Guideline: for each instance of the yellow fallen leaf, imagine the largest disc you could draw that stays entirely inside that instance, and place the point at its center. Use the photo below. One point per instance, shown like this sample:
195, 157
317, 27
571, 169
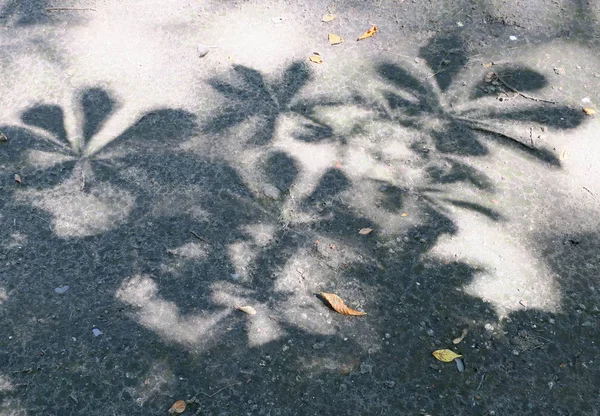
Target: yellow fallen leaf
316, 59
327, 17
18, 178
487, 65
338, 305
369, 33
404, 214
589, 111
178, 407
365, 231
247, 309
335, 39
458, 340
445, 355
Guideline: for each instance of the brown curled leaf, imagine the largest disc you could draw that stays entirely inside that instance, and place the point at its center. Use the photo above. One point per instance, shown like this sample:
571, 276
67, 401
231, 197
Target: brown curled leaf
178, 407
458, 340
337, 304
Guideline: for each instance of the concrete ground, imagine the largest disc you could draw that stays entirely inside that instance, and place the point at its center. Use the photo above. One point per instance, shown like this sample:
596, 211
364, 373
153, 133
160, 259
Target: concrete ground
165, 162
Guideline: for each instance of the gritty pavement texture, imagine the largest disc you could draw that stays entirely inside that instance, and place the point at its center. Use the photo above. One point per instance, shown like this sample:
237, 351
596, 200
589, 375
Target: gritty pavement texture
163, 163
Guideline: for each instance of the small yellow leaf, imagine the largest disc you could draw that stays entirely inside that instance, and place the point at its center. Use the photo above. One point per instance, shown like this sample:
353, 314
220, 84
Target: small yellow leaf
178, 407
589, 111
446, 355
404, 214
365, 231
369, 33
338, 305
327, 17
335, 39
18, 178
247, 309
458, 340
316, 59
487, 65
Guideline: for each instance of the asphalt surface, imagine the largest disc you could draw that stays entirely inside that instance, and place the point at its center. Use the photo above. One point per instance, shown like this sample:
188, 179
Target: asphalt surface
163, 164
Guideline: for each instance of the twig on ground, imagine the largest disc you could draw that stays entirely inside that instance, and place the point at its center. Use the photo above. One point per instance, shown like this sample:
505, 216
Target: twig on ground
478, 125
482, 380
198, 236
522, 94
221, 389
590, 192
68, 9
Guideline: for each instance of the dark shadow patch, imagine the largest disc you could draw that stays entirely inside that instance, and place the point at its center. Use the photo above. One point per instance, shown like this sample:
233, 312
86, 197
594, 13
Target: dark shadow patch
97, 106
49, 118
282, 170
452, 171
393, 198
446, 56
249, 96
458, 139
471, 206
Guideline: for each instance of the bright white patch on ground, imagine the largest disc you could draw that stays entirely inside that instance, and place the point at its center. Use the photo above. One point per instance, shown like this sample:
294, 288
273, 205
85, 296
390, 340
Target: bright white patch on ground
164, 317
511, 278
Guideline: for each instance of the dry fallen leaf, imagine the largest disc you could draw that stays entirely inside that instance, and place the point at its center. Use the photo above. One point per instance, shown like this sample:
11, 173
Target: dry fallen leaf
446, 356
563, 155
247, 309
589, 111
18, 178
327, 17
404, 214
462, 336
369, 33
3, 138
316, 59
335, 39
178, 407
365, 231
487, 64
338, 305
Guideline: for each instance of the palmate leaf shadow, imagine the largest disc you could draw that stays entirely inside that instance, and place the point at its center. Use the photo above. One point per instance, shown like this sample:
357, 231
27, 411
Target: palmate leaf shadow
249, 96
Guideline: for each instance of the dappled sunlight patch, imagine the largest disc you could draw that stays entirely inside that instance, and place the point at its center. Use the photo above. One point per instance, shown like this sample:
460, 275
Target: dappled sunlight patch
45, 160
241, 255
261, 329
164, 317
186, 201
6, 384
80, 213
16, 240
3, 295
262, 234
158, 380
511, 278
192, 251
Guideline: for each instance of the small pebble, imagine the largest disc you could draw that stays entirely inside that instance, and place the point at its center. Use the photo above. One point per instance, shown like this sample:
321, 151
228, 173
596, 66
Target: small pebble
460, 365
366, 368
62, 289
318, 346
